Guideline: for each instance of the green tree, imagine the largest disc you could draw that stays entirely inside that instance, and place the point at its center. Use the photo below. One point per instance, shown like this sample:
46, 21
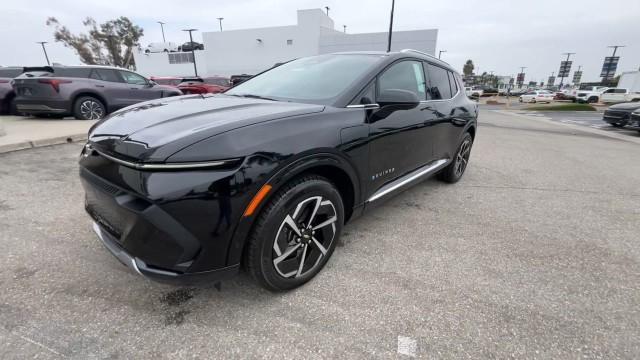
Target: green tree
467, 70
110, 43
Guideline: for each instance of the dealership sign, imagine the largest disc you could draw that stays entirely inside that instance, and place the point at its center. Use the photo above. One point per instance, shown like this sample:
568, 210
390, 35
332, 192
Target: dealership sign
565, 68
520, 79
609, 67
551, 80
577, 76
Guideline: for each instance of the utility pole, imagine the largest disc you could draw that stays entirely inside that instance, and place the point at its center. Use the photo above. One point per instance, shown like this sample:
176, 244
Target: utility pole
393, 5
345, 28
326, 7
44, 50
162, 28
562, 77
615, 48
220, 20
440, 53
193, 54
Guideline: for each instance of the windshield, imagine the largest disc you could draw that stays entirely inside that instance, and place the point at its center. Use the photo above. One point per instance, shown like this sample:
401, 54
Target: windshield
315, 79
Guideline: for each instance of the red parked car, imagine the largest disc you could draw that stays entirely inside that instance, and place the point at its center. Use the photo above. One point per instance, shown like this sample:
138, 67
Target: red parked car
198, 85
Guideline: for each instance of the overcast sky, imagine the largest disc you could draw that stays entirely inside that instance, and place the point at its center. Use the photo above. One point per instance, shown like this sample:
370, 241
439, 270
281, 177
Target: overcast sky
498, 35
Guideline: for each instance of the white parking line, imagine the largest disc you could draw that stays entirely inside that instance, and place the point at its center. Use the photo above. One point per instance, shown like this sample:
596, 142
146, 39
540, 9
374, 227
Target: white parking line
407, 346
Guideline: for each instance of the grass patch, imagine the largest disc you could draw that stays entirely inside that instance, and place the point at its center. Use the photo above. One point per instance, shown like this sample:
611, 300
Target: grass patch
561, 107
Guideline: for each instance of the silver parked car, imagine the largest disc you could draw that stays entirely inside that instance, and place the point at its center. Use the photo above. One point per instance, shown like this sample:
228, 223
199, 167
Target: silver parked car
86, 92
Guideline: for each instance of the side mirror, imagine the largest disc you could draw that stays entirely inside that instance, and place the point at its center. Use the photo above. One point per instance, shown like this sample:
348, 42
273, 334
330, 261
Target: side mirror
398, 99
392, 100
152, 83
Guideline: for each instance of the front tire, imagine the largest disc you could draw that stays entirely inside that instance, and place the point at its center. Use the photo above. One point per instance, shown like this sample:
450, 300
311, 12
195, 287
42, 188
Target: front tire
454, 171
88, 108
295, 234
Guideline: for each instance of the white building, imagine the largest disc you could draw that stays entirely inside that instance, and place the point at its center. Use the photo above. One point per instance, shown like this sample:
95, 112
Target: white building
250, 51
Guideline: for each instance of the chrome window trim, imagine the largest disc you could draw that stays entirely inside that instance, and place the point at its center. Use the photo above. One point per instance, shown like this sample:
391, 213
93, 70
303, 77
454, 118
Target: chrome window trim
363, 106
166, 166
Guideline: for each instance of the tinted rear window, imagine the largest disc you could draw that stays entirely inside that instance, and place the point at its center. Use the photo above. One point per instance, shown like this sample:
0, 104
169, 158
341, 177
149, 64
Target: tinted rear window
72, 72
107, 75
439, 83
10, 73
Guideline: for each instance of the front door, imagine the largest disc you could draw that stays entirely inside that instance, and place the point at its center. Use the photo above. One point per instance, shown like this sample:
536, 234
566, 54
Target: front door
139, 88
402, 141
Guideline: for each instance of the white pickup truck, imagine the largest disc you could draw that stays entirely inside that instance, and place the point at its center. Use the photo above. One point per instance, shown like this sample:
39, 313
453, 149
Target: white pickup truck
589, 94
619, 95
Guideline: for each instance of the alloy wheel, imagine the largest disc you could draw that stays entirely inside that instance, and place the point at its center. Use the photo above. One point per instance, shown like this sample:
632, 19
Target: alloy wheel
304, 237
462, 158
91, 110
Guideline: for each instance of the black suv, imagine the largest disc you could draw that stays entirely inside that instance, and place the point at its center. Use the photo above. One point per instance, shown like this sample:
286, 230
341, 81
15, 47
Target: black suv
86, 92
265, 175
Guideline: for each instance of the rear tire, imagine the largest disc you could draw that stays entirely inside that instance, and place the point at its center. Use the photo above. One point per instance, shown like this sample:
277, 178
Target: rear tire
89, 108
592, 100
280, 257
454, 171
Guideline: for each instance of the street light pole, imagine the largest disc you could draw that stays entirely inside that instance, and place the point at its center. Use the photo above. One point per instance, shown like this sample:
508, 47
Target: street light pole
440, 53
562, 77
162, 28
326, 7
44, 50
193, 54
345, 28
393, 5
220, 20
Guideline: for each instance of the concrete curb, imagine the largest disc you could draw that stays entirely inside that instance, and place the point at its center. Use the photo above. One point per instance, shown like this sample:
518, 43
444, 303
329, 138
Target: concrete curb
30, 144
572, 126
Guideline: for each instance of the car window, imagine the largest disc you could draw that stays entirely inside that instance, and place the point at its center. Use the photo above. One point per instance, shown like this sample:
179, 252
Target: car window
316, 79
106, 75
366, 96
133, 78
620, 91
439, 88
80, 72
10, 73
217, 81
405, 75
453, 83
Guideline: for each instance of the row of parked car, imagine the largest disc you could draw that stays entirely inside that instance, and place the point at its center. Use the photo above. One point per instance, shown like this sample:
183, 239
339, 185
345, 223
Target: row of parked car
92, 92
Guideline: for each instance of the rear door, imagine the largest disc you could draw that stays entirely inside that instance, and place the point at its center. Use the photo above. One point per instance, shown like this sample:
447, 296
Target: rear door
442, 89
139, 87
400, 142
110, 84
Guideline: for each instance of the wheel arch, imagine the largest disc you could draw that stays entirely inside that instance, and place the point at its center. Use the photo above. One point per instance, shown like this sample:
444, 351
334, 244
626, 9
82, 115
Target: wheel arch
327, 165
94, 94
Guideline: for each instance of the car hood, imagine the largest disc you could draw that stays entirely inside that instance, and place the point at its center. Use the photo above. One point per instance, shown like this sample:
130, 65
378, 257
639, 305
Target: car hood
154, 130
630, 106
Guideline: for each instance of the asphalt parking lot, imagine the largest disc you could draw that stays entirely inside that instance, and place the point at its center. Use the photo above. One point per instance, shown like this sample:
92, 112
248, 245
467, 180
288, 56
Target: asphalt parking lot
533, 254
582, 118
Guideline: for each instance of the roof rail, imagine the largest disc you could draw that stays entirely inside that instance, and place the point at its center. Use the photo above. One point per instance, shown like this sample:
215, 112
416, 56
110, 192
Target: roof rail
419, 52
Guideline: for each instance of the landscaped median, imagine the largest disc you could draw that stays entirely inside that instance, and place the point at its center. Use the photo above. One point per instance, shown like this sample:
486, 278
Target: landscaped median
561, 107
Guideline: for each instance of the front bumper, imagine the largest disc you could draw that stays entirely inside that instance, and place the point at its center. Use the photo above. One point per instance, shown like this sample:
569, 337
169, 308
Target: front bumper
619, 118
140, 267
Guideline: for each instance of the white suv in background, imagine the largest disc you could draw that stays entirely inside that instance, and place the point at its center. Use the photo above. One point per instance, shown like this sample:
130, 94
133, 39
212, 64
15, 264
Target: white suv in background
156, 47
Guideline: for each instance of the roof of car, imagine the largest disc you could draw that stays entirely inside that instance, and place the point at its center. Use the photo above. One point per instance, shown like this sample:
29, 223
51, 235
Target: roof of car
400, 53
